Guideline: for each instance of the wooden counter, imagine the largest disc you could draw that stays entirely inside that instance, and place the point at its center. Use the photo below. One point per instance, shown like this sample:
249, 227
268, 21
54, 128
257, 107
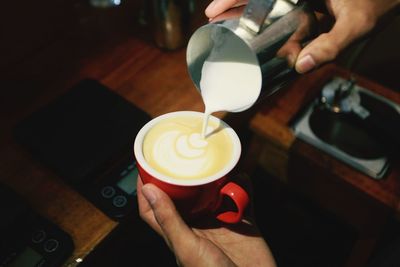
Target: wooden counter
354, 197
156, 81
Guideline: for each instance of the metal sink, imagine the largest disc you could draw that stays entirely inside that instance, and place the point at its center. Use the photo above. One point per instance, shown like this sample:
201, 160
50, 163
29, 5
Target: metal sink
344, 136
341, 131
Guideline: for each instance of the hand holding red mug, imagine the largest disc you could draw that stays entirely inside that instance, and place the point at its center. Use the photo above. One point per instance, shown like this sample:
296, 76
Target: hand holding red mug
169, 145
193, 171
205, 245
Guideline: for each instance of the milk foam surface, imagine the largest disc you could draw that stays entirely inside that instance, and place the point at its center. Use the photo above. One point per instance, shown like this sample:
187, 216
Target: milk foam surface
176, 148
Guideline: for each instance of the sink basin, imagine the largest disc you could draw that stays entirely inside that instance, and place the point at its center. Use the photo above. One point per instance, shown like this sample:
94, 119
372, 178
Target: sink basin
343, 132
344, 135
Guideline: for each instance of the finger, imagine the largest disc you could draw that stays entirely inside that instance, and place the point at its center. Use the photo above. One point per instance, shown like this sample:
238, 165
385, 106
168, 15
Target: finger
217, 7
290, 50
328, 45
145, 211
174, 229
231, 13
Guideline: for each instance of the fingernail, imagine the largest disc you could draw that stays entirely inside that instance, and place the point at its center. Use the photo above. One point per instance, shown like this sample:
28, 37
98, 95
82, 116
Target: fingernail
149, 195
305, 64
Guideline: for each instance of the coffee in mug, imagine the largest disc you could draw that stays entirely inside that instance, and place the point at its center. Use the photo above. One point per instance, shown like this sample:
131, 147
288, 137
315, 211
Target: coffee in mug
175, 147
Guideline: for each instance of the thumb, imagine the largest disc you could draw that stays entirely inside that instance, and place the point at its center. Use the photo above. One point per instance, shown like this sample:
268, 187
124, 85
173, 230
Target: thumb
323, 49
328, 45
176, 233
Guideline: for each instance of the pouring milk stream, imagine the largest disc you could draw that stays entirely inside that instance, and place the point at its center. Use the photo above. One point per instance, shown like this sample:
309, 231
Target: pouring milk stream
229, 81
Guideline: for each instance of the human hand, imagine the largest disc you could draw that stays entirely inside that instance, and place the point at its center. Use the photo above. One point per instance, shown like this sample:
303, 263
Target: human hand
353, 19
208, 244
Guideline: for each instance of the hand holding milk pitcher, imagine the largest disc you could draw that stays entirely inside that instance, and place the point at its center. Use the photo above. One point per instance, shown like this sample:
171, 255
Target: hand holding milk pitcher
349, 20
234, 61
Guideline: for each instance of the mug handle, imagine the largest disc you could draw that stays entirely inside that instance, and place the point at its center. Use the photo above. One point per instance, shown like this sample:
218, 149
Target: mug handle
241, 199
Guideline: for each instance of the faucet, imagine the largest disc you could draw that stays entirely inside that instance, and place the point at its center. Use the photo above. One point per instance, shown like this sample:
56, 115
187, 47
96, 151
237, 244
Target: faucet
338, 99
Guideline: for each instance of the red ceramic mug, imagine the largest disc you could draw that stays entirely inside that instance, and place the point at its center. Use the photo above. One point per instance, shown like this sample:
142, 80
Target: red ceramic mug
201, 196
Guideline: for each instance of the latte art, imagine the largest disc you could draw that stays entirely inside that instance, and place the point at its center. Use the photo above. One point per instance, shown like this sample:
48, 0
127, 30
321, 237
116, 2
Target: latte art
191, 146
179, 153
175, 147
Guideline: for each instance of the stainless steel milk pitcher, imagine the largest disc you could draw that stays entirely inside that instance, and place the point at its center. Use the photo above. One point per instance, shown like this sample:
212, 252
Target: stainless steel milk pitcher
264, 35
